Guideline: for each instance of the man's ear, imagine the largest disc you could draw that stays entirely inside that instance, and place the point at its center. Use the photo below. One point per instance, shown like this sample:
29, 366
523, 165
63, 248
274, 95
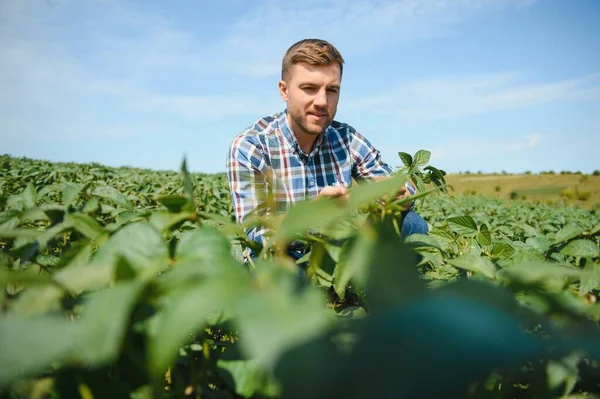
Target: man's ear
283, 90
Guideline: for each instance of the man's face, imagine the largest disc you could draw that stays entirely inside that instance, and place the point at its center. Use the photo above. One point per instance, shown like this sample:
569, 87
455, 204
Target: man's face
312, 93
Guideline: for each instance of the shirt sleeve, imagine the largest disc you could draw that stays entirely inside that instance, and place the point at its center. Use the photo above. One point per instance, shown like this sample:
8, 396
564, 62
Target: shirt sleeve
246, 174
367, 159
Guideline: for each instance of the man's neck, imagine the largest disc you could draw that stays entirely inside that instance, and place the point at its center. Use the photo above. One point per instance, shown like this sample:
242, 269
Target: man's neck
305, 140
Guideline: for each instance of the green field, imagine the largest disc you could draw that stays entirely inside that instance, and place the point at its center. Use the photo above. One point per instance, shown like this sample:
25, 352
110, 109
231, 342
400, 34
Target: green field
129, 283
575, 190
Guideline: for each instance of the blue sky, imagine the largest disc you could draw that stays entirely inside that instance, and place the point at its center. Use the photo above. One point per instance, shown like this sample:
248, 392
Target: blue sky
486, 85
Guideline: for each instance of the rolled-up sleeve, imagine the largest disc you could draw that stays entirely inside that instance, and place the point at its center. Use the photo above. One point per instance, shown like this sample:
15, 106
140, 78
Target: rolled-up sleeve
367, 159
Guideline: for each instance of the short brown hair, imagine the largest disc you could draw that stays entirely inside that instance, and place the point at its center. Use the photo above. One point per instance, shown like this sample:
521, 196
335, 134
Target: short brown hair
313, 52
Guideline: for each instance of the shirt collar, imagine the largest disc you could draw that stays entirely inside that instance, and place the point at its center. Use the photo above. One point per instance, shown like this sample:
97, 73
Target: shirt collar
286, 130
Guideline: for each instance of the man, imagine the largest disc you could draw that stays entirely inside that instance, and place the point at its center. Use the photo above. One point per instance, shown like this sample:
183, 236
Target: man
302, 152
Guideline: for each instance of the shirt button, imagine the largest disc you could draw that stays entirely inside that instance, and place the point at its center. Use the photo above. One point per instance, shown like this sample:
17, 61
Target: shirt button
311, 183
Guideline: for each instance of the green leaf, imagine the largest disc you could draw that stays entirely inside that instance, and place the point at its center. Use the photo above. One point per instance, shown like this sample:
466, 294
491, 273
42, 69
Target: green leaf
484, 237
444, 234
528, 230
536, 272
175, 203
406, 159
29, 196
70, 191
37, 213
12, 234
279, 317
123, 270
307, 215
423, 241
437, 178
186, 311
353, 265
475, 264
32, 345
247, 378
541, 243
568, 232
591, 281
188, 185
45, 236
419, 183
422, 157
113, 195
392, 277
78, 275
163, 221
139, 243
46, 190
525, 255
104, 322
29, 277
582, 248
321, 265
502, 250
86, 225
47, 260
353, 312
92, 205
367, 192
203, 243
204, 253
564, 373
463, 224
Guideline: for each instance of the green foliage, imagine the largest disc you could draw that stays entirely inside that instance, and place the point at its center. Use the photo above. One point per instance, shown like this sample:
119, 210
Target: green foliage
121, 282
583, 195
420, 174
575, 194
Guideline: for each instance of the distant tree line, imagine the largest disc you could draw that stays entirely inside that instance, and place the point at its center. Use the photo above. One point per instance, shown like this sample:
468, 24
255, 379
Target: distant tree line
528, 172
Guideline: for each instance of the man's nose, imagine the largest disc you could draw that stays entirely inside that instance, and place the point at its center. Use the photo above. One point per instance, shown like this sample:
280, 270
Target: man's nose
321, 99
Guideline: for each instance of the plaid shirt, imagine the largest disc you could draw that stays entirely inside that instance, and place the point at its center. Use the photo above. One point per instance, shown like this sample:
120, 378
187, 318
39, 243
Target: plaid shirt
267, 156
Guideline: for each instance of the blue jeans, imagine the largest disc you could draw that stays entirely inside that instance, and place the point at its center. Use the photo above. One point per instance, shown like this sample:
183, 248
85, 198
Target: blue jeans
413, 223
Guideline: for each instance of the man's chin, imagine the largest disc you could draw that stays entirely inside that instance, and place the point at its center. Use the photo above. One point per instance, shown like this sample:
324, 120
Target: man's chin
316, 130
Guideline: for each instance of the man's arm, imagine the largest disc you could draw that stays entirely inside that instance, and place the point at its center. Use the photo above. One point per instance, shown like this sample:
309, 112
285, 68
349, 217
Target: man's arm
246, 174
368, 164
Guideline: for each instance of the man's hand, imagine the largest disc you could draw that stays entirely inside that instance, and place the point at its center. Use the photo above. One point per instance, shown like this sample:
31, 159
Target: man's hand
340, 192
402, 193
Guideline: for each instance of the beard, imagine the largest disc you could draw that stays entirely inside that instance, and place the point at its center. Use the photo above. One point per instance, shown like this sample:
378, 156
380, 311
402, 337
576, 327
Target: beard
312, 129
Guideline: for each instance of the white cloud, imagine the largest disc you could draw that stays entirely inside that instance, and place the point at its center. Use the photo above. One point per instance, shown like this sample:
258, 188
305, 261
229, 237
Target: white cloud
533, 140
483, 148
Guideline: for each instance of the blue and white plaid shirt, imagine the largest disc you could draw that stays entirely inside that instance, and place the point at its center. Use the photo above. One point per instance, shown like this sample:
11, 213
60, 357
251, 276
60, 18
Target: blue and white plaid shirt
267, 156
